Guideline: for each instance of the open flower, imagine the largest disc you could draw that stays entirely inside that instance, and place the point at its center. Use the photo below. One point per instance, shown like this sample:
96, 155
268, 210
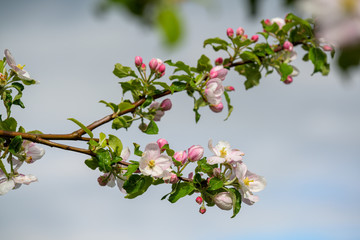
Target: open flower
224, 153
15, 182
22, 74
152, 163
249, 183
33, 151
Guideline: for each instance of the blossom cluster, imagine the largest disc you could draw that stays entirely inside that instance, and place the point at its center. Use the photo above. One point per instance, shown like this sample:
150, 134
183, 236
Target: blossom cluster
30, 152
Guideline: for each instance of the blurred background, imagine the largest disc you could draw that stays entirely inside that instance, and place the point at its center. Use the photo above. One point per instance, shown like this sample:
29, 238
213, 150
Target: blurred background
303, 137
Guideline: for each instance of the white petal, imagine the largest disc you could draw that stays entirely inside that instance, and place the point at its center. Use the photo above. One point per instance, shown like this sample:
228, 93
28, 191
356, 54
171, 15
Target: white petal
258, 184
240, 171
6, 185
215, 160
164, 162
125, 153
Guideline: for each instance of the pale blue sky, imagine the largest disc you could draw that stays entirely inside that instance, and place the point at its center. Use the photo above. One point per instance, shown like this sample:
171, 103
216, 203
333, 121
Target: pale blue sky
304, 137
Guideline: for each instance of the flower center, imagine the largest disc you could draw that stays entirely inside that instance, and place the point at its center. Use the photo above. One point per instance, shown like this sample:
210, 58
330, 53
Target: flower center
151, 163
223, 152
20, 66
247, 181
349, 5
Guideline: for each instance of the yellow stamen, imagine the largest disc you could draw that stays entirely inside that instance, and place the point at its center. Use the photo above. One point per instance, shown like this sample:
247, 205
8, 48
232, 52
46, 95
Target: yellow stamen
247, 181
20, 66
223, 152
151, 163
349, 5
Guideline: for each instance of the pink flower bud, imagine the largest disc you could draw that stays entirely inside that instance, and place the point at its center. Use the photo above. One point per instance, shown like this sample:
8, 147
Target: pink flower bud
255, 38
153, 64
181, 156
288, 46
219, 61
138, 61
229, 88
195, 153
218, 72
143, 67
173, 178
244, 37
213, 74
191, 175
217, 108
223, 200
161, 142
230, 32
202, 210
327, 48
161, 68
267, 22
288, 80
199, 200
102, 180
166, 104
240, 31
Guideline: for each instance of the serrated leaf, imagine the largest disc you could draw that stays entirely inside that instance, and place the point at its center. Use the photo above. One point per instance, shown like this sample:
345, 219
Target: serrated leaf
9, 124
137, 185
285, 70
82, 126
204, 64
104, 159
111, 105
152, 128
92, 163
122, 122
180, 66
123, 106
236, 196
217, 43
249, 56
15, 144
131, 169
178, 86
319, 59
137, 152
122, 71
215, 183
115, 144
162, 84
230, 107
182, 189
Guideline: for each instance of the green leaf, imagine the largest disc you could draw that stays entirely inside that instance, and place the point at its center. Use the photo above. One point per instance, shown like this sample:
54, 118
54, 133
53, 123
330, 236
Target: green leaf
92, 163
104, 158
203, 166
15, 144
285, 70
180, 66
122, 71
102, 140
123, 106
249, 56
162, 84
137, 185
137, 152
319, 59
147, 102
230, 107
178, 86
305, 24
236, 196
152, 128
204, 64
111, 105
122, 122
170, 24
115, 144
9, 124
131, 169
217, 43
215, 183
134, 86
82, 126
349, 57
183, 78
252, 74
182, 189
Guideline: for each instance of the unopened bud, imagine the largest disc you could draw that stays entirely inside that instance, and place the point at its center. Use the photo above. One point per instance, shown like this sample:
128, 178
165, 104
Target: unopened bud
229, 88
138, 61
143, 67
267, 22
102, 180
199, 200
219, 61
181, 156
195, 153
217, 172
255, 38
153, 64
173, 178
223, 200
217, 108
288, 46
166, 104
161, 68
202, 210
327, 48
244, 37
161, 142
143, 127
230, 32
288, 80
240, 31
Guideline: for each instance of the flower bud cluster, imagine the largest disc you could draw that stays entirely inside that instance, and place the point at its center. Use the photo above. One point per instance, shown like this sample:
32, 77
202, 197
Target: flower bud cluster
156, 66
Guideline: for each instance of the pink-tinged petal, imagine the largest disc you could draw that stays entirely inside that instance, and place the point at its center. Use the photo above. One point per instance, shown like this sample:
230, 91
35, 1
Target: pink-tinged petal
156, 171
152, 151
210, 146
164, 162
125, 153
146, 170
257, 183
6, 185
120, 184
249, 198
215, 160
240, 171
224, 201
24, 179
143, 162
235, 155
